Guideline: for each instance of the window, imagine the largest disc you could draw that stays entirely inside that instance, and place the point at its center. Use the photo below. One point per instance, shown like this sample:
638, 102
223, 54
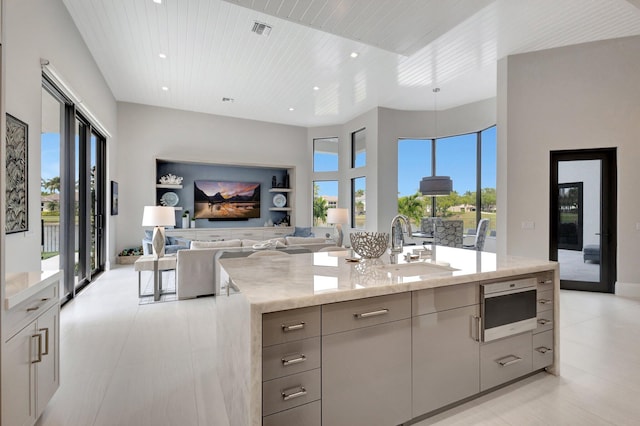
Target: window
359, 202
358, 149
470, 161
456, 157
325, 155
325, 196
488, 176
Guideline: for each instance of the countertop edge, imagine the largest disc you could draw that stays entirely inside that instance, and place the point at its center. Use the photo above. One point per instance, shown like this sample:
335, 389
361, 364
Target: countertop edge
434, 282
24, 295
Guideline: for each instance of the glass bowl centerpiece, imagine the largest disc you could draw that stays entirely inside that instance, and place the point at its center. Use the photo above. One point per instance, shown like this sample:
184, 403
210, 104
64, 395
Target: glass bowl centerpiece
369, 245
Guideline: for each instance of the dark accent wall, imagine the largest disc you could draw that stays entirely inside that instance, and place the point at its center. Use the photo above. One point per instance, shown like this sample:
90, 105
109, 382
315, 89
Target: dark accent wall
192, 171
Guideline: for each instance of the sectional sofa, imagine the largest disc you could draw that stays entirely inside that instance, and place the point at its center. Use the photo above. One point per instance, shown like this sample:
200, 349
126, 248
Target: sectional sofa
195, 267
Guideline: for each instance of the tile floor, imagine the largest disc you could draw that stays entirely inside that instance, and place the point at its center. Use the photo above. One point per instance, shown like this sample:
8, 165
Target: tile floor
128, 364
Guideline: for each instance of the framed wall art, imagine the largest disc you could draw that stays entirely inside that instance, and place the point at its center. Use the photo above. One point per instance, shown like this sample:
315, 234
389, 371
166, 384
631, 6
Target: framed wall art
17, 178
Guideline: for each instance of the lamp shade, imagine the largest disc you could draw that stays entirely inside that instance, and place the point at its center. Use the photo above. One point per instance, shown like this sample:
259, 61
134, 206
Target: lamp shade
158, 216
337, 215
436, 185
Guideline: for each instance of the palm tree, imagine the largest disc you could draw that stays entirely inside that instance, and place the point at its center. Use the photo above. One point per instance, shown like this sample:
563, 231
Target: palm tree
412, 206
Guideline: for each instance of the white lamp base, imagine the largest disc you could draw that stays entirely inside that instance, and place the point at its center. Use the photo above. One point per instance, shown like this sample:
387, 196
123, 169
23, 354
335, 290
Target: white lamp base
340, 235
157, 241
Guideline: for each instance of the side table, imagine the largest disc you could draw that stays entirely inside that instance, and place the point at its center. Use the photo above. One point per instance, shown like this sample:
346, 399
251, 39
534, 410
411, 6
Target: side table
157, 265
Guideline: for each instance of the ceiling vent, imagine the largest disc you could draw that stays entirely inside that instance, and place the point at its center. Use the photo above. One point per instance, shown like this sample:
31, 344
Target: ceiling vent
261, 28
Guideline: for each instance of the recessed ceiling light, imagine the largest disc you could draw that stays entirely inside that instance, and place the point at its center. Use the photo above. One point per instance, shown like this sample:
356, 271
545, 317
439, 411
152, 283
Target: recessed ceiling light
165, 88
162, 55
354, 54
157, 1
316, 88
290, 109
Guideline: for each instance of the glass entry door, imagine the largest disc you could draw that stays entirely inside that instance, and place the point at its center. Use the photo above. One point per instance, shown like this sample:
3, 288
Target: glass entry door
583, 225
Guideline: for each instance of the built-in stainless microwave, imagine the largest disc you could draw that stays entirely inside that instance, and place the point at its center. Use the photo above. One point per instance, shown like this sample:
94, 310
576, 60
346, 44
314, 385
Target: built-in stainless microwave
508, 307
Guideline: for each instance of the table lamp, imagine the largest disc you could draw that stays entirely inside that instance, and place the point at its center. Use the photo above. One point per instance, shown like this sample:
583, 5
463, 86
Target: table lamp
158, 217
338, 216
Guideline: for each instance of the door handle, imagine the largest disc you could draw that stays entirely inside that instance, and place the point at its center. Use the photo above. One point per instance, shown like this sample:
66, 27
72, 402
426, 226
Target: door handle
46, 340
39, 338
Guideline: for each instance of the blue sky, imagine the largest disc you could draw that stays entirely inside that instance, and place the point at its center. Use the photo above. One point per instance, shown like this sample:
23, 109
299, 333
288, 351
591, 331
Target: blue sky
455, 157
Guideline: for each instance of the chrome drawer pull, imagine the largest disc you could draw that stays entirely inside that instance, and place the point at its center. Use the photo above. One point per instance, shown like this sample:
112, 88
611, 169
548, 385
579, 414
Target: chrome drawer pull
35, 308
508, 360
293, 359
543, 321
293, 327
39, 337
372, 313
543, 349
544, 301
292, 393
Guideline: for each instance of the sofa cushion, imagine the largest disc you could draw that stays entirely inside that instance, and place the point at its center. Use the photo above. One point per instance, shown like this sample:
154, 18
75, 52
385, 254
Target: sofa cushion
195, 245
302, 232
301, 240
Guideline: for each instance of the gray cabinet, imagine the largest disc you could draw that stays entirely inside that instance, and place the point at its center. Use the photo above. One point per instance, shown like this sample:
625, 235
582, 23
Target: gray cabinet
291, 387
366, 370
505, 359
446, 358
542, 343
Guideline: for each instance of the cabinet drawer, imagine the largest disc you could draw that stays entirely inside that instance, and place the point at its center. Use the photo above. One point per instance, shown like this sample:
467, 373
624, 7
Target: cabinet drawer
290, 358
290, 391
505, 360
545, 321
545, 300
542, 350
27, 311
545, 281
443, 298
291, 325
343, 316
307, 415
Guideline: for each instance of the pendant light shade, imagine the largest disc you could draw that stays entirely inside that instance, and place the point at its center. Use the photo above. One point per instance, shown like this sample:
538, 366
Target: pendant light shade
436, 185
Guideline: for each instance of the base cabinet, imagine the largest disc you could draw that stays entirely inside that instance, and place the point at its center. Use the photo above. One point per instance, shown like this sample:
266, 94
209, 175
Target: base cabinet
31, 369
446, 358
366, 375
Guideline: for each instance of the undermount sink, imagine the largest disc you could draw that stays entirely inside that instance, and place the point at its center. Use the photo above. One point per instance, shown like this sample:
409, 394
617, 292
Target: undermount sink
416, 268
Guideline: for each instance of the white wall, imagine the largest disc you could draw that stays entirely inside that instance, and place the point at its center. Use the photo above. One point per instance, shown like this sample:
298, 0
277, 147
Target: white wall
587, 172
37, 29
584, 96
147, 133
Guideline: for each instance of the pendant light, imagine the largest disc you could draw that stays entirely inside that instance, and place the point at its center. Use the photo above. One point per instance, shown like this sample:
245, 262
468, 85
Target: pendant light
433, 185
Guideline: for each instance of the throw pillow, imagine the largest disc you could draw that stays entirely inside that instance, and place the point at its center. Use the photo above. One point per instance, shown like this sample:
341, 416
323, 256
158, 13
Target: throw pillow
302, 232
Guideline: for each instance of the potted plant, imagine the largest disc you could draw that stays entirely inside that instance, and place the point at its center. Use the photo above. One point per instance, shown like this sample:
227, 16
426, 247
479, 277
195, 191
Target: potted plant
193, 222
129, 255
185, 219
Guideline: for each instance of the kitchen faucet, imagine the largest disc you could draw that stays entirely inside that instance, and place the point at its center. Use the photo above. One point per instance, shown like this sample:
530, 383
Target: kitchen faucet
397, 230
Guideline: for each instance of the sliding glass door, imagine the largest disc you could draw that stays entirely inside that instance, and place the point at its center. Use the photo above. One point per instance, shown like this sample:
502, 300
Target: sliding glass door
73, 192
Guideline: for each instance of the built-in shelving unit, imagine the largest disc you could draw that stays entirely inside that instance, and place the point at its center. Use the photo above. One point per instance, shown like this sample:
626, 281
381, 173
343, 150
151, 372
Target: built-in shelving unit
286, 192
279, 213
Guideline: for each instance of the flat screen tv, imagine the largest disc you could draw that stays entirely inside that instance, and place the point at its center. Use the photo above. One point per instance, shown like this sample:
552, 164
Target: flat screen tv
220, 200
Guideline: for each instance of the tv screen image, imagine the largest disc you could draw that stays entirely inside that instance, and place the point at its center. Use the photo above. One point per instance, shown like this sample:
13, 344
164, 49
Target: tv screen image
220, 200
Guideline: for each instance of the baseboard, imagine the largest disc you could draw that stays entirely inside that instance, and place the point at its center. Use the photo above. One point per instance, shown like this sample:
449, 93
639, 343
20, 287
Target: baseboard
628, 289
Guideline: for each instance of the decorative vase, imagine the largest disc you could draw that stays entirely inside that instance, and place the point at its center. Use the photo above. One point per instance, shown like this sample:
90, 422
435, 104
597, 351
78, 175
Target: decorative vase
185, 222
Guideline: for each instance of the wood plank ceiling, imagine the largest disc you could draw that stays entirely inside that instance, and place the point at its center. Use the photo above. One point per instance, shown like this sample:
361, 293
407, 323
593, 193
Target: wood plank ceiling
302, 72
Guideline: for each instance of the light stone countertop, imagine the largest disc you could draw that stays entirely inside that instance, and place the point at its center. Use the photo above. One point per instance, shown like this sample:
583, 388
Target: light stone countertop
274, 283
20, 286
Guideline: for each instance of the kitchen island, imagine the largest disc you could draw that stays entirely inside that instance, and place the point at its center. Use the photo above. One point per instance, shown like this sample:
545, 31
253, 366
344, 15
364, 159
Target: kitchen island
316, 339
